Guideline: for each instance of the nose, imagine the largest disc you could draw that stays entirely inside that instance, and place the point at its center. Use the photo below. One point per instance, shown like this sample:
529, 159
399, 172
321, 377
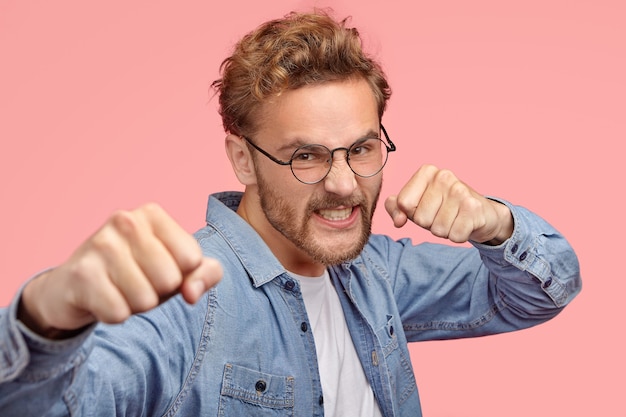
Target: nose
341, 180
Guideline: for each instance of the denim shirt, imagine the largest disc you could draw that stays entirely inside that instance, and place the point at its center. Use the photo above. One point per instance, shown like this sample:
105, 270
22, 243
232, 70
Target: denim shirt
246, 348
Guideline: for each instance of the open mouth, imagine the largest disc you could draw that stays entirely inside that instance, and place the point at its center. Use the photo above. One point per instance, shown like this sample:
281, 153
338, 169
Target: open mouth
336, 214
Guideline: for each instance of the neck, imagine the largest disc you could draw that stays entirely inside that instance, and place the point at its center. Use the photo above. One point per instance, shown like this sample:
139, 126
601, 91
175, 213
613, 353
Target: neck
289, 255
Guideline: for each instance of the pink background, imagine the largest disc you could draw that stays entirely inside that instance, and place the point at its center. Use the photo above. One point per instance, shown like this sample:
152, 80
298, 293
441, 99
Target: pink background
106, 107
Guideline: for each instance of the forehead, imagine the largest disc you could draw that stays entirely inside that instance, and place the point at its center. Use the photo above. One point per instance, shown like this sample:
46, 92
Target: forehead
339, 111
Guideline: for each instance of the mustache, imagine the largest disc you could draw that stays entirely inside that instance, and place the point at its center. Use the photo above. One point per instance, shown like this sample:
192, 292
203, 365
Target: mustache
327, 202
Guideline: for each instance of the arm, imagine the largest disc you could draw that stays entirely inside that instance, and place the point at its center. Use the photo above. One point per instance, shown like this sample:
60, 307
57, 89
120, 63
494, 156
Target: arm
513, 280
136, 261
134, 368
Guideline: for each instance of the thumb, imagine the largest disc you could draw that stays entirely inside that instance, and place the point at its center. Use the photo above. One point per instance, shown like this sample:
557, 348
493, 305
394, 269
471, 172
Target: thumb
398, 216
201, 279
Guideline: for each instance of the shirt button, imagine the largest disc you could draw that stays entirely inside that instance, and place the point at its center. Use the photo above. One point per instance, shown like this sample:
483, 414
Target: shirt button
547, 283
289, 285
260, 385
304, 327
523, 256
321, 400
514, 248
390, 330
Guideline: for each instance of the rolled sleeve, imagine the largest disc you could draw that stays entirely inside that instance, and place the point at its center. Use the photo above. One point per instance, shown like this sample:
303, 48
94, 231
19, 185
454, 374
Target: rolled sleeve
536, 248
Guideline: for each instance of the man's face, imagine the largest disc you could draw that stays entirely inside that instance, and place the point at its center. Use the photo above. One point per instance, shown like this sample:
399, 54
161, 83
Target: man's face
328, 222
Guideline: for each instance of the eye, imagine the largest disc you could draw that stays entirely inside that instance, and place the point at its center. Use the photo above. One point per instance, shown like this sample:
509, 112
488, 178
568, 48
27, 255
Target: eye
302, 156
358, 150
363, 147
310, 154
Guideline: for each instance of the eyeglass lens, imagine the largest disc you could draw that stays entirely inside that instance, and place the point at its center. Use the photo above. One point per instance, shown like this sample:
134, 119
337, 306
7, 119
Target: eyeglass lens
311, 163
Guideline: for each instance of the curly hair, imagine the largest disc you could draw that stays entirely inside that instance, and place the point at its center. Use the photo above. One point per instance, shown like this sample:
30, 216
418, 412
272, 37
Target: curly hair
298, 50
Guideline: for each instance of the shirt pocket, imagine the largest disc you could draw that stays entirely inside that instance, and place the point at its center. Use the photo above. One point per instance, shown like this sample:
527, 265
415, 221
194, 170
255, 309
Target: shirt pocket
397, 360
248, 392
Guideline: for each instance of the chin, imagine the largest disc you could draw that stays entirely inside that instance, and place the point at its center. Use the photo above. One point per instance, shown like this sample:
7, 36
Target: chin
329, 254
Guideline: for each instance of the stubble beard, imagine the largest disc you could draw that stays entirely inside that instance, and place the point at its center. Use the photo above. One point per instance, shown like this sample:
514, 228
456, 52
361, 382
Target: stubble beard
284, 219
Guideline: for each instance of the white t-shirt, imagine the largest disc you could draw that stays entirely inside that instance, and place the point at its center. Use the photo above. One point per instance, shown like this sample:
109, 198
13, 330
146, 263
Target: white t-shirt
346, 390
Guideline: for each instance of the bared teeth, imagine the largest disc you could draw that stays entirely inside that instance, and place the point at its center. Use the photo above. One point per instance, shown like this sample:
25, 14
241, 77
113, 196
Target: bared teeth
336, 214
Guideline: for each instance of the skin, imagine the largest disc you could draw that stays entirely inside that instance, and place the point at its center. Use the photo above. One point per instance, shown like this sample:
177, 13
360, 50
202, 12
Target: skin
134, 262
140, 258
309, 226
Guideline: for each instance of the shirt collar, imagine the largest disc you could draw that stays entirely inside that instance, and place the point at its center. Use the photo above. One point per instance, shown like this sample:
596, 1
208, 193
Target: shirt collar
254, 254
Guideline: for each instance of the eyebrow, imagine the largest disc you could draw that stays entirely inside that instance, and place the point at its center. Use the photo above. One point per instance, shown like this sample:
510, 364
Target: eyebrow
298, 142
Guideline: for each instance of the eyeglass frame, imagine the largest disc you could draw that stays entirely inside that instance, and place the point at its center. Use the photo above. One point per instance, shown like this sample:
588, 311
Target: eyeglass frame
390, 148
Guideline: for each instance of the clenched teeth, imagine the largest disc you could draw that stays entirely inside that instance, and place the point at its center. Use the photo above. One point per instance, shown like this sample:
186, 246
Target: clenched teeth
336, 214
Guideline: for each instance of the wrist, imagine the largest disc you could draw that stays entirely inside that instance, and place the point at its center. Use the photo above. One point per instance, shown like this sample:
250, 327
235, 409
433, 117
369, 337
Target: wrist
29, 312
505, 222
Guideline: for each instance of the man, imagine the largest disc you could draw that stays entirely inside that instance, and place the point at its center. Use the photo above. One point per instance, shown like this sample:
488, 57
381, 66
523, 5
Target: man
312, 314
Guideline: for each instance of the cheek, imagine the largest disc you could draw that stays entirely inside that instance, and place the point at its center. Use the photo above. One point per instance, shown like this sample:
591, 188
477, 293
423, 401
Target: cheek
296, 195
371, 186
282, 193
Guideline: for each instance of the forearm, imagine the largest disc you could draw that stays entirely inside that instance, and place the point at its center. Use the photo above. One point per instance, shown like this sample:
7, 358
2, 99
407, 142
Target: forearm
122, 369
448, 292
34, 371
31, 315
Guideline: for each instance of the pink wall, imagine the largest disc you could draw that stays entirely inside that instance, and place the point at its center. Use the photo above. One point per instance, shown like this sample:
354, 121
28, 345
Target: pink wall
105, 107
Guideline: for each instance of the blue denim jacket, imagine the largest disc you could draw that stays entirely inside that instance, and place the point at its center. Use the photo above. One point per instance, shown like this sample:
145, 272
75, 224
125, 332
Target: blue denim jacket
247, 349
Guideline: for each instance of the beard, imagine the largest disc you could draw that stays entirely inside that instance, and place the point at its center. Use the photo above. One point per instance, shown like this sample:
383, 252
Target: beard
284, 218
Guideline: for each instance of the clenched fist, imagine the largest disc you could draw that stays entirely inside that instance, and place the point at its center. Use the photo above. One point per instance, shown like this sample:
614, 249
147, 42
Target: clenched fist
438, 201
132, 264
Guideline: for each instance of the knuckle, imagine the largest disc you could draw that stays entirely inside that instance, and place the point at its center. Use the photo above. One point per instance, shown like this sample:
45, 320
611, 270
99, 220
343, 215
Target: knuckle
471, 205
151, 210
169, 284
125, 222
422, 220
458, 190
82, 269
428, 169
144, 301
114, 315
445, 176
405, 203
192, 257
105, 243
459, 233
439, 230
457, 238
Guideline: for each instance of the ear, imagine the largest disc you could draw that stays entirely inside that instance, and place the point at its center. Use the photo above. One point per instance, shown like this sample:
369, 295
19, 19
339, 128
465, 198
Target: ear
241, 159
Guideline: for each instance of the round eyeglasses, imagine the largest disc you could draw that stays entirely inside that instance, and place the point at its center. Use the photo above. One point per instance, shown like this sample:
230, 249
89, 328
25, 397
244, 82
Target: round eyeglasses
310, 164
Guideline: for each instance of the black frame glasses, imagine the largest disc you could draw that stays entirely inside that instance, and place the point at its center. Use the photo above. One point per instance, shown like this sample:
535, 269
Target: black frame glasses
390, 147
